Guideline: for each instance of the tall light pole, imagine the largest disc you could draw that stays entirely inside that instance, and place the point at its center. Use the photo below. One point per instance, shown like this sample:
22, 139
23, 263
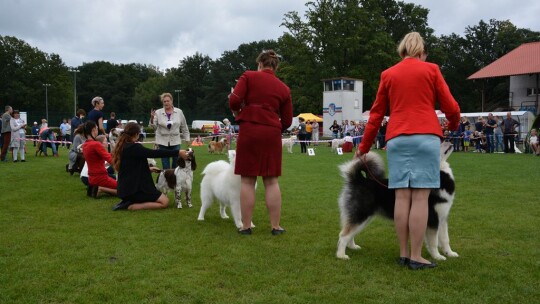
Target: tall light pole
178, 96
46, 85
74, 71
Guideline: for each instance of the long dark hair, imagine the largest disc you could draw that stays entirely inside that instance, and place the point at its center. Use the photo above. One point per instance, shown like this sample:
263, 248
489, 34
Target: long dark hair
130, 130
87, 130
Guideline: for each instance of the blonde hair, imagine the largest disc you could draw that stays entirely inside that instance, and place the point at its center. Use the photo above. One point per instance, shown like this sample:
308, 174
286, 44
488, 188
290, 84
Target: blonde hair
412, 45
162, 96
96, 100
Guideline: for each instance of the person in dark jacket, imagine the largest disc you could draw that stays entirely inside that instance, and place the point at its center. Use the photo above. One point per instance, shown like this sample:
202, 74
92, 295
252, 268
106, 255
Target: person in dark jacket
135, 185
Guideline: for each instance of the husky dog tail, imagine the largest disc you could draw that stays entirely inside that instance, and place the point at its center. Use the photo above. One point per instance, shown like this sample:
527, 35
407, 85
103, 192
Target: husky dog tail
368, 166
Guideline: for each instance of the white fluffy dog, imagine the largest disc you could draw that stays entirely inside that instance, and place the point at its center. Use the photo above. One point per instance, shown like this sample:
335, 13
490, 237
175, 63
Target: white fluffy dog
336, 143
288, 142
180, 179
220, 182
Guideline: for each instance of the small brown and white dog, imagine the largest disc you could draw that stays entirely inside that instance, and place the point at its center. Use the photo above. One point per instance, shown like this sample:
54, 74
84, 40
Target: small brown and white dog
217, 146
288, 142
180, 179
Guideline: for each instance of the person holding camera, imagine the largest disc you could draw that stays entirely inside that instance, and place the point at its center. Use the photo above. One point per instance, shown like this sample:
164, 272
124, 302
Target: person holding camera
170, 126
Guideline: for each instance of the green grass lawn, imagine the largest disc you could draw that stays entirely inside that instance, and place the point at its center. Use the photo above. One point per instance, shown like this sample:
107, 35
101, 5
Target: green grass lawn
59, 246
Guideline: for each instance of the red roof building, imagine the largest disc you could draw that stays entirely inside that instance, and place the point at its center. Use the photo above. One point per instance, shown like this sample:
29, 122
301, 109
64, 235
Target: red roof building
522, 65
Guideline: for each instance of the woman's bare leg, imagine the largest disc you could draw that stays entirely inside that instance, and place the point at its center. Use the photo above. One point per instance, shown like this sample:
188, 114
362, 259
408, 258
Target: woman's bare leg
162, 203
247, 199
401, 219
273, 200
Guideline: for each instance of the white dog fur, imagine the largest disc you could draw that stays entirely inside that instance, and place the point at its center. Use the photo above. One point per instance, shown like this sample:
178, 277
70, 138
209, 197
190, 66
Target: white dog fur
220, 182
288, 142
336, 143
179, 179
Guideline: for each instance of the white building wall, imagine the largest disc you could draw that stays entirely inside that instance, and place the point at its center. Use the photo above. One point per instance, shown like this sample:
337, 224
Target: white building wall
342, 105
518, 91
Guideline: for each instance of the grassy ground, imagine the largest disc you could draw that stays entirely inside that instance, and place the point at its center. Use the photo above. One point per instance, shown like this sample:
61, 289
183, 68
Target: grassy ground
58, 246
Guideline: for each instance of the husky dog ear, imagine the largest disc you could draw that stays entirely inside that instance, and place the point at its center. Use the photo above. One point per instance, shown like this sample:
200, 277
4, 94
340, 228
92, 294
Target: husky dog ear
446, 150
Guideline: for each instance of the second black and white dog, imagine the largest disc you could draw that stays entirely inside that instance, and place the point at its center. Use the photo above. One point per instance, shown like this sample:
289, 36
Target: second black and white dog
179, 179
365, 193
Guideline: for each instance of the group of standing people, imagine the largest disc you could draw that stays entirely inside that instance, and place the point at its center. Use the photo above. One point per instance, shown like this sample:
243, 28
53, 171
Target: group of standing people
488, 135
13, 135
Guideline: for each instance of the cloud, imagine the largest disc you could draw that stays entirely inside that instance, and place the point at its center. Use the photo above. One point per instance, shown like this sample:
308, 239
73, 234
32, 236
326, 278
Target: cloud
164, 32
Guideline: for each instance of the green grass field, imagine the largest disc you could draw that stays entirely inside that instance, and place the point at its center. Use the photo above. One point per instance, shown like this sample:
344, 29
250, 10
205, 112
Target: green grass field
59, 246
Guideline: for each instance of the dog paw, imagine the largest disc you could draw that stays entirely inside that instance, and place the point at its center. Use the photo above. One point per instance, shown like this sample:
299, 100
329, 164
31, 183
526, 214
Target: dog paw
343, 256
190, 205
179, 206
354, 246
200, 219
438, 257
452, 254
225, 216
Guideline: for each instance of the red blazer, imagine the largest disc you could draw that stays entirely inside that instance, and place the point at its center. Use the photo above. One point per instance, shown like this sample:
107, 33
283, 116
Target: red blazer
262, 98
95, 156
410, 90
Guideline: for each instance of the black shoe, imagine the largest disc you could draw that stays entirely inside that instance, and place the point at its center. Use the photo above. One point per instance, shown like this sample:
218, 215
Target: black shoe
414, 265
95, 191
23, 161
15, 161
278, 231
89, 190
67, 167
122, 205
245, 231
403, 261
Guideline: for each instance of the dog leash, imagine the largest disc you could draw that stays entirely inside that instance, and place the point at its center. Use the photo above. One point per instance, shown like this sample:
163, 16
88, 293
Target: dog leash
363, 159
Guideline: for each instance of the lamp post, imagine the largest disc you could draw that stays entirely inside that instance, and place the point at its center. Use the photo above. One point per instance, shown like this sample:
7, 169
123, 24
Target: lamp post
178, 96
46, 85
74, 71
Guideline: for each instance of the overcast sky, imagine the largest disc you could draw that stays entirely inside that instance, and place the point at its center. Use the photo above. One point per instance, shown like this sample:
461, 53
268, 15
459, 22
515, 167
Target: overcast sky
162, 32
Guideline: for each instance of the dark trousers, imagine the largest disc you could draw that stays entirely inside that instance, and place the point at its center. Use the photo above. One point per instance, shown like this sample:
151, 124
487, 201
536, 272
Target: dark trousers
302, 139
509, 139
6, 140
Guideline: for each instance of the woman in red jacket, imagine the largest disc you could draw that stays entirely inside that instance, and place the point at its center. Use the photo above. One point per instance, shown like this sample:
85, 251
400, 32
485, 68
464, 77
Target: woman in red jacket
410, 90
96, 156
262, 107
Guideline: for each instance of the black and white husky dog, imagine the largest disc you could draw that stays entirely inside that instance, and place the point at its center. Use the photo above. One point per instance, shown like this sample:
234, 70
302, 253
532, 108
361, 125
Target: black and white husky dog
365, 193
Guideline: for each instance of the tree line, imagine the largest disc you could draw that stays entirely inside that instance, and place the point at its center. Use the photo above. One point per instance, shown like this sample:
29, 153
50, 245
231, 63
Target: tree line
335, 38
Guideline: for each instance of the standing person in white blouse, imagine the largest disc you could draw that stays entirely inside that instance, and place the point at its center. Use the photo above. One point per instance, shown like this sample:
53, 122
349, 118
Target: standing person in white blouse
170, 126
315, 132
18, 137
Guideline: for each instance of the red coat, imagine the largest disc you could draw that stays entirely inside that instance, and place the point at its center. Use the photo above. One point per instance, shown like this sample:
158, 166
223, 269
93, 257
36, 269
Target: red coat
410, 90
267, 100
265, 110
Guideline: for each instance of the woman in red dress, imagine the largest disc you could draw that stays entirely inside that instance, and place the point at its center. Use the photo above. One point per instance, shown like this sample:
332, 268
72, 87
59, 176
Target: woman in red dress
96, 156
262, 106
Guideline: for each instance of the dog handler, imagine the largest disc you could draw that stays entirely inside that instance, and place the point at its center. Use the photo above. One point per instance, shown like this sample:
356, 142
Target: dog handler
410, 89
261, 104
135, 185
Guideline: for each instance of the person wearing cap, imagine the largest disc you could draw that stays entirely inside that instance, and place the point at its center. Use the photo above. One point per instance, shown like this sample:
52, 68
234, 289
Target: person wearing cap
18, 138
6, 132
35, 132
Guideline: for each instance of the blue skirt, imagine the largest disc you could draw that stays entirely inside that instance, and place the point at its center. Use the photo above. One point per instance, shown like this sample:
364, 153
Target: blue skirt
414, 161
